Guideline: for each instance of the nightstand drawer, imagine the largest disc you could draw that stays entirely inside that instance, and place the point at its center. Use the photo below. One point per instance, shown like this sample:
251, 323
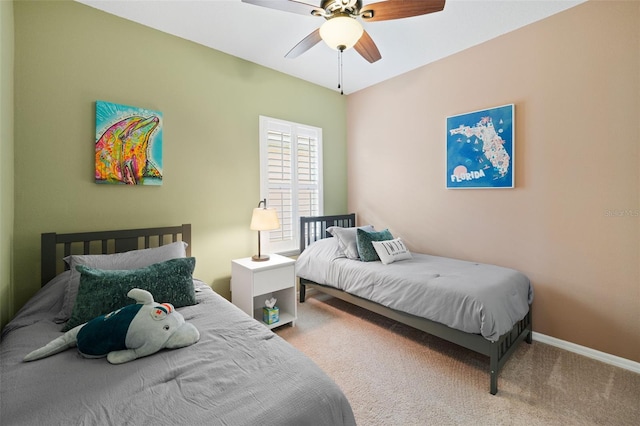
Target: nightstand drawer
272, 280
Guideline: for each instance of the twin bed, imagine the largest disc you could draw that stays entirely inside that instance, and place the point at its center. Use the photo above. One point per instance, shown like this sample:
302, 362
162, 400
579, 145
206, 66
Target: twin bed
238, 373
484, 308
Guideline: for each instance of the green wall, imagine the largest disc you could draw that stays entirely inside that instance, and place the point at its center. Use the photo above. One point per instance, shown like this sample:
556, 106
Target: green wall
6, 159
69, 55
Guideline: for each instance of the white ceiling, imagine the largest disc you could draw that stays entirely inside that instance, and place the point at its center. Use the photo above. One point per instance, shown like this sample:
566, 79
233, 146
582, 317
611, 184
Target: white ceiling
264, 36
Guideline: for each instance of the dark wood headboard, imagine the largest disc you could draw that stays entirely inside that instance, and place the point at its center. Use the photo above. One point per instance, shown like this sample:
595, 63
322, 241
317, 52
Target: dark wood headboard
54, 247
313, 228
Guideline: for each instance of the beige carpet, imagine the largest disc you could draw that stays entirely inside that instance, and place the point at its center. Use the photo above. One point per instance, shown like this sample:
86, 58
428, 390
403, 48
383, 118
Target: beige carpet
395, 375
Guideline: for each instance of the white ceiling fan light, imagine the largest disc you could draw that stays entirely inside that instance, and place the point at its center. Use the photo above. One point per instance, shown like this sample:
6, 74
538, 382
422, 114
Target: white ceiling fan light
341, 32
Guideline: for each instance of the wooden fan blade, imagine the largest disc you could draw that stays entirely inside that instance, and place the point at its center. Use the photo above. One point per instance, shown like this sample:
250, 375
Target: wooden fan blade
397, 9
367, 48
305, 44
287, 6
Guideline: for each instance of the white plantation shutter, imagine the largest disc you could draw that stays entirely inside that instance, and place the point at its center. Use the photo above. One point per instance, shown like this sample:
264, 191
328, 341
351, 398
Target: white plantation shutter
290, 176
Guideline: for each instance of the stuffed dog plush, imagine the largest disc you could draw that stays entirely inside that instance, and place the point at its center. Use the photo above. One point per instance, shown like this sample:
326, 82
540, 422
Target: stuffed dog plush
128, 333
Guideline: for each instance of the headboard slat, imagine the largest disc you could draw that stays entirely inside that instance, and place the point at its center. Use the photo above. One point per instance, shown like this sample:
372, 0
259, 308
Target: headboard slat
123, 240
126, 244
313, 228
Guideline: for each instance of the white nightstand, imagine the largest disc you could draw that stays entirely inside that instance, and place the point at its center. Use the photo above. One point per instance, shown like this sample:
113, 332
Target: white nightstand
254, 282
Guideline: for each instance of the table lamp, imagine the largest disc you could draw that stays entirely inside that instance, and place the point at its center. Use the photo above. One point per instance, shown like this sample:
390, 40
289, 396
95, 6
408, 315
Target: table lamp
263, 219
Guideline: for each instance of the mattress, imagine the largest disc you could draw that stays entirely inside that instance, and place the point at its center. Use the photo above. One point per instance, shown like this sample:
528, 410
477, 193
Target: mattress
239, 373
468, 296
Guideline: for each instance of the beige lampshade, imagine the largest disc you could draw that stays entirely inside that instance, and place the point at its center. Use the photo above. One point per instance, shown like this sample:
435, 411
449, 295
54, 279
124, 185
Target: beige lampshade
264, 219
341, 31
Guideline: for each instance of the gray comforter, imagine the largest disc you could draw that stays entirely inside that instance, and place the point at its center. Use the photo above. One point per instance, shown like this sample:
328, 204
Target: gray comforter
239, 373
471, 297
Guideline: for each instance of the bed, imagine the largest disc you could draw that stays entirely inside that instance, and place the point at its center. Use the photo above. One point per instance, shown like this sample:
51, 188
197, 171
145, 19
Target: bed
238, 373
484, 308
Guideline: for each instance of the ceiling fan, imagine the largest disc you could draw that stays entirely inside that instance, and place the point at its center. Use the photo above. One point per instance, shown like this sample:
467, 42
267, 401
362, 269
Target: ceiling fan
342, 30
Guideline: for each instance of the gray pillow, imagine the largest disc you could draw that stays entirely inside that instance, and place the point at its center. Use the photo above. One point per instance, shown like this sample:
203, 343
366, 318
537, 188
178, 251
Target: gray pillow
103, 291
128, 260
365, 239
347, 239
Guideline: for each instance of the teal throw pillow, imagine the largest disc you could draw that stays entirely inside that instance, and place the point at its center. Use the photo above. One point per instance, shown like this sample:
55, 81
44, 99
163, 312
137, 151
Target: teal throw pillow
365, 246
103, 291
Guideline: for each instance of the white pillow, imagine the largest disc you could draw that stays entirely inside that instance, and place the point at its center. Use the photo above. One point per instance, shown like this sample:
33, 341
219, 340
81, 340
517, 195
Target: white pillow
347, 239
391, 250
134, 259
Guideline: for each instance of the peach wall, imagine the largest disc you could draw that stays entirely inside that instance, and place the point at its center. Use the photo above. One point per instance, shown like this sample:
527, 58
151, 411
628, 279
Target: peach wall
572, 223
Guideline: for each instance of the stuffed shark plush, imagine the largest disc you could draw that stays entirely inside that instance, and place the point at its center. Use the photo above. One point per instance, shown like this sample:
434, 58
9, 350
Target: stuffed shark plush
127, 333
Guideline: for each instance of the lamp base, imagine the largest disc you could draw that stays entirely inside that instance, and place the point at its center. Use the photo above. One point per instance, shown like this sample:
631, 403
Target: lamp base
260, 257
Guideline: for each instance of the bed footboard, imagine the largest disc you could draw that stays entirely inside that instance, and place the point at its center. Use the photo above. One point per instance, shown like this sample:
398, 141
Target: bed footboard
506, 345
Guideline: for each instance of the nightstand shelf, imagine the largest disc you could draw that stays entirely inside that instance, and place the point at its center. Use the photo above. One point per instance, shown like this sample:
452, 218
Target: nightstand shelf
254, 282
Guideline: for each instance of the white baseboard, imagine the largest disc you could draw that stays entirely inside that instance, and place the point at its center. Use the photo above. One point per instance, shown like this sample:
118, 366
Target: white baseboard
627, 364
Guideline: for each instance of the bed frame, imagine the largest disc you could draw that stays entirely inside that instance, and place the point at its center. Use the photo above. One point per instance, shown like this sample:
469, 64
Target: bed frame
314, 228
55, 246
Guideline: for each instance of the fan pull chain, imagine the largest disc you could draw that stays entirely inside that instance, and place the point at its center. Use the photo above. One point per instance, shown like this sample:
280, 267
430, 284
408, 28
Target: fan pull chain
340, 82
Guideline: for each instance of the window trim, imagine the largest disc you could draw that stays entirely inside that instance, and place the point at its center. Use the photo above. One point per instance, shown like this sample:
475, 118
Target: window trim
270, 124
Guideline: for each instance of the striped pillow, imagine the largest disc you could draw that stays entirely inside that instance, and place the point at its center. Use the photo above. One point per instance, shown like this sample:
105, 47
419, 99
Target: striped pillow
391, 251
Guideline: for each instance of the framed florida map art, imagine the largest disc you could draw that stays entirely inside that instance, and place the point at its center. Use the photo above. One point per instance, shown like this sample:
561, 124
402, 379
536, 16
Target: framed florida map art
480, 148
128, 145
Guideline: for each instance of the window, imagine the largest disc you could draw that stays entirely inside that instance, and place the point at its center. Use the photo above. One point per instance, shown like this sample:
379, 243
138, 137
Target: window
290, 178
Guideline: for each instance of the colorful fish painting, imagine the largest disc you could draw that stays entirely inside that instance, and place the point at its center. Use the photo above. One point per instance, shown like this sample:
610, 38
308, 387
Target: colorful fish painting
128, 145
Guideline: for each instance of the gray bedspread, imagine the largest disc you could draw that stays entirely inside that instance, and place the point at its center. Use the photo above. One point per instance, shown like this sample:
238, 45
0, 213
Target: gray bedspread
471, 297
239, 373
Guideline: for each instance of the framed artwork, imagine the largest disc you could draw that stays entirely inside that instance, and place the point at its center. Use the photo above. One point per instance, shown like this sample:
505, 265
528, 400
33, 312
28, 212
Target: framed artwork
480, 149
128, 145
